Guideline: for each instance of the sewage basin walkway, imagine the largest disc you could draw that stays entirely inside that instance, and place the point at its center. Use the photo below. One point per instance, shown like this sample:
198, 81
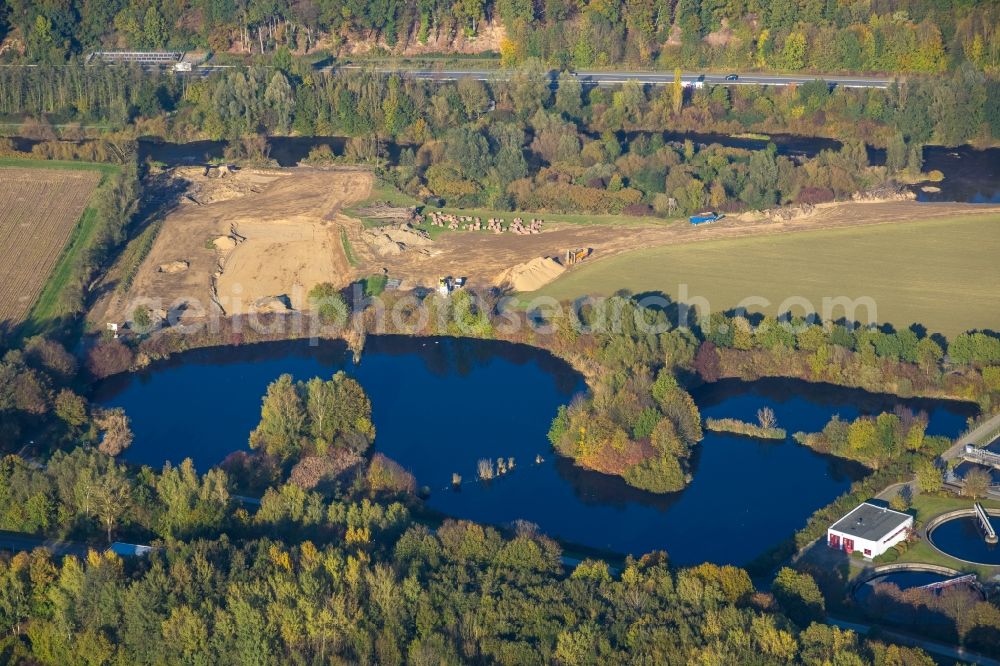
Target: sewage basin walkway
982, 435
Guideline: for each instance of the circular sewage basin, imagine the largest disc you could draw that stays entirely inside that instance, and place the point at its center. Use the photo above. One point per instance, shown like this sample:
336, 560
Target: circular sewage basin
962, 538
904, 580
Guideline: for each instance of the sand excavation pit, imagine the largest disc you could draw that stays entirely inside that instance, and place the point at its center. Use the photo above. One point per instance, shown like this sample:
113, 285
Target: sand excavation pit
279, 257
264, 249
530, 275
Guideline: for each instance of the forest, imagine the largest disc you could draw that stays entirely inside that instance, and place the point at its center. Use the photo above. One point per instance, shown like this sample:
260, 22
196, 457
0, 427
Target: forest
458, 594
875, 442
516, 144
924, 36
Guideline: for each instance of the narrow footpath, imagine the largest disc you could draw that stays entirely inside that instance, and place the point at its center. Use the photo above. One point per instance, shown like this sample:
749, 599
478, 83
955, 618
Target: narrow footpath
939, 649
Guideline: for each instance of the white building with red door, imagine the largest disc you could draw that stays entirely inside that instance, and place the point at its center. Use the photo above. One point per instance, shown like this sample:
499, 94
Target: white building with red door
869, 529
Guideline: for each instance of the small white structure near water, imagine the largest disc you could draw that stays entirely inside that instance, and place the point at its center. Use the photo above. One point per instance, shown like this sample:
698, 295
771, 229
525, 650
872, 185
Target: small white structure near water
869, 529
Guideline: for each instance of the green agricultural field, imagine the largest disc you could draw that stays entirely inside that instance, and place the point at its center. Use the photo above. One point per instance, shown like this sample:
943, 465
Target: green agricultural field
941, 273
46, 222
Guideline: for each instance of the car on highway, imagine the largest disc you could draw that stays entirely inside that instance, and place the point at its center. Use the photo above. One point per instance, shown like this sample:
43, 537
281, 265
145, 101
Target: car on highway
732, 77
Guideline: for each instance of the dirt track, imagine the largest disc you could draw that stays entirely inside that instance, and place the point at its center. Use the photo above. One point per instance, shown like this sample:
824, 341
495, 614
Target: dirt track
481, 256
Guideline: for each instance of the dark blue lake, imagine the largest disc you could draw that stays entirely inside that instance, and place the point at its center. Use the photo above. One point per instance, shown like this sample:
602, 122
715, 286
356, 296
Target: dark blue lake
440, 405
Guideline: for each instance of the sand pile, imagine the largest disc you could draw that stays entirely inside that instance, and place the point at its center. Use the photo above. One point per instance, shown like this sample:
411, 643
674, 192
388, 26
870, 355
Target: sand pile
271, 304
408, 236
391, 241
382, 245
209, 185
224, 243
531, 275
174, 267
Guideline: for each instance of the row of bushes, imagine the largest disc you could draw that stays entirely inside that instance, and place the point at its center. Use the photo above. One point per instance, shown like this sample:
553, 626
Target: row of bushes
738, 427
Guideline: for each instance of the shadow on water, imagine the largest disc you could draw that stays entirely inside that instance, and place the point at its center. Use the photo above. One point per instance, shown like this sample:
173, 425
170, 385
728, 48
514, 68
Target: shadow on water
807, 406
440, 405
287, 151
971, 176
594, 488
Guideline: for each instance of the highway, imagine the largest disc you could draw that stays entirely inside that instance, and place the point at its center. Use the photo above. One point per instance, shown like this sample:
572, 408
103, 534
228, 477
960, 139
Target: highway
607, 78
586, 77
614, 78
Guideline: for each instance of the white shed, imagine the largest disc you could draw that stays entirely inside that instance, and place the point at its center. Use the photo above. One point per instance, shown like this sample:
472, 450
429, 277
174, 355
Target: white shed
869, 529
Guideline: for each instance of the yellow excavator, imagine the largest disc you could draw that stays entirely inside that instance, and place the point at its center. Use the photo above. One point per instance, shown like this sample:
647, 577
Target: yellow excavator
576, 256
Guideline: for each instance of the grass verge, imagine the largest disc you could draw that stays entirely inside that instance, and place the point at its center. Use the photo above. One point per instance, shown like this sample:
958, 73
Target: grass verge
125, 270
348, 250
925, 507
26, 163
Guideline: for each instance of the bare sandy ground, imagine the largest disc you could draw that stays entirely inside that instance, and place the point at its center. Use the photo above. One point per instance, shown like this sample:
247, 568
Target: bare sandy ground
262, 235
262, 239
482, 256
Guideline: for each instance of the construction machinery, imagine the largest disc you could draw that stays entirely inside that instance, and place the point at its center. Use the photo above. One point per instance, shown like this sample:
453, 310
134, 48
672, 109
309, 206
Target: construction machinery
576, 256
704, 218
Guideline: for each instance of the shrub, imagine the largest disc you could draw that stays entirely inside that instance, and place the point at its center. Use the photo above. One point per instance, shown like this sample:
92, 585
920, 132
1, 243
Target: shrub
638, 210
742, 428
116, 429
331, 307
141, 318
814, 195
991, 377
311, 471
109, 358
657, 475
385, 474
485, 469
799, 596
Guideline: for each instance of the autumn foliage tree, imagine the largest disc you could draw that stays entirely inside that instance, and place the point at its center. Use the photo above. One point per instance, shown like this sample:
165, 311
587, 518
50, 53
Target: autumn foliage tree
313, 417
